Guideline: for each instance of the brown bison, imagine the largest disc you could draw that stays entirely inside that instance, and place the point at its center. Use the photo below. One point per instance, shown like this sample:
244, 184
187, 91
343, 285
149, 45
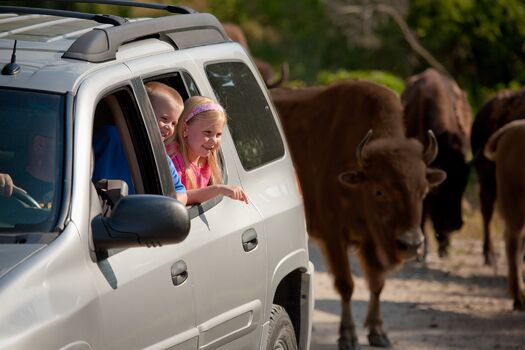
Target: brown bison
236, 34
363, 183
434, 102
505, 147
499, 110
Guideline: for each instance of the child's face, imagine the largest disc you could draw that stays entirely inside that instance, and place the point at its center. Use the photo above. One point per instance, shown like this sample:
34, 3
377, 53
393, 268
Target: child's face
203, 137
167, 114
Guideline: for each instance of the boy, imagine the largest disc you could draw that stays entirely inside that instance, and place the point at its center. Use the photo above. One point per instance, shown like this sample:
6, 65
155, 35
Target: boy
168, 105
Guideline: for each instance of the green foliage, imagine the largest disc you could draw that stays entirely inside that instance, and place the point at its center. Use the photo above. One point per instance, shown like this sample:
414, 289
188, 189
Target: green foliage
481, 42
389, 80
296, 32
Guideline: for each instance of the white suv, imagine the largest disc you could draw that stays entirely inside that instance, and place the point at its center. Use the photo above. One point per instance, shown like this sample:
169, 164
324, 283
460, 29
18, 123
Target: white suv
103, 265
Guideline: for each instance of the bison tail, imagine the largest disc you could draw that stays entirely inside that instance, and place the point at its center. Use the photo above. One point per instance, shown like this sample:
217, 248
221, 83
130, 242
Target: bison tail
491, 147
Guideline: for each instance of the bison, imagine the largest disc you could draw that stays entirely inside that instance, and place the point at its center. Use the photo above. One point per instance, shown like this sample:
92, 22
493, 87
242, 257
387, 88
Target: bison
499, 110
434, 101
236, 34
505, 147
363, 183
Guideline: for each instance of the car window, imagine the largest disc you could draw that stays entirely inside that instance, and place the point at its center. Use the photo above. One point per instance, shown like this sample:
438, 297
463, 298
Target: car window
180, 81
121, 147
31, 153
190, 84
124, 163
250, 120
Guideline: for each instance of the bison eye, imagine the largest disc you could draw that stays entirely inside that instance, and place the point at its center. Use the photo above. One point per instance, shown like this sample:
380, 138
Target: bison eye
380, 195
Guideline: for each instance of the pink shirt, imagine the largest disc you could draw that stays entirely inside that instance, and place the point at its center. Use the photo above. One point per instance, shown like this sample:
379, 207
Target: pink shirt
202, 174
171, 149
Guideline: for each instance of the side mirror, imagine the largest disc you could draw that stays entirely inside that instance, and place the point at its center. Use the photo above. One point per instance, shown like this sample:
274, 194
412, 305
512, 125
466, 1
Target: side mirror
141, 220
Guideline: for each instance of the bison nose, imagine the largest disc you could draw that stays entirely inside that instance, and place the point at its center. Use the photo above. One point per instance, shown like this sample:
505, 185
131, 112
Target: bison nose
409, 242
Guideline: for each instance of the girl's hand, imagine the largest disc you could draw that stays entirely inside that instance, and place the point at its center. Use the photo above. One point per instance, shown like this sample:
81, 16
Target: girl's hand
234, 192
6, 185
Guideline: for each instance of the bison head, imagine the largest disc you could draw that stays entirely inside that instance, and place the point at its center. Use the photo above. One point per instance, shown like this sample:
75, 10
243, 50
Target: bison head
390, 179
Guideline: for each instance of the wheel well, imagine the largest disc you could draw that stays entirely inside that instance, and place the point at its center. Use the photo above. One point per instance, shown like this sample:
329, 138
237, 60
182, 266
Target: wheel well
288, 295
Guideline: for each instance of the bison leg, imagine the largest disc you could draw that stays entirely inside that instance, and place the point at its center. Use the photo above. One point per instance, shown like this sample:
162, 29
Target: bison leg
487, 196
443, 239
425, 258
514, 249
347, 335
337, 257
374, 322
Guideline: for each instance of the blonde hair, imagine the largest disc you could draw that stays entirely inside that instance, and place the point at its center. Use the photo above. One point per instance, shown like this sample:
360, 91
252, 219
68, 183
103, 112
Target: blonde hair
165, 92
212, 116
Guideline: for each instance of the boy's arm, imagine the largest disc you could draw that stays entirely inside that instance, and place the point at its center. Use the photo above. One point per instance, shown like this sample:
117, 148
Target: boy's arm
180, 190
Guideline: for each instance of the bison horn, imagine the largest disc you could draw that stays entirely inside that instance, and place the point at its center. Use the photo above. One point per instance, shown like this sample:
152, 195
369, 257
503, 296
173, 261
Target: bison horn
359, 151
432, 149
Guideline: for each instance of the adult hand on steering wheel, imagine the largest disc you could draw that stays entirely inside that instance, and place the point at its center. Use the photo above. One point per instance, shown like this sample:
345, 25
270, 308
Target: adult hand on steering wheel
8, 189
24, 198
6, 185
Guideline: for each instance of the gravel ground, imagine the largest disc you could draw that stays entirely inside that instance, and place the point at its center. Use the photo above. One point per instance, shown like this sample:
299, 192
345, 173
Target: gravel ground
453, 303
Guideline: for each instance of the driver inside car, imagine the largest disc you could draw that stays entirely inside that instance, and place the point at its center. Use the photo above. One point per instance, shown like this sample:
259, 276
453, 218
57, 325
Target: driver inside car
37, 176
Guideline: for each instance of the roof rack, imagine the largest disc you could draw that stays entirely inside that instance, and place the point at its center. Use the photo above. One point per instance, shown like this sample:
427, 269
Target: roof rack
101, 44
104, 19
169, 8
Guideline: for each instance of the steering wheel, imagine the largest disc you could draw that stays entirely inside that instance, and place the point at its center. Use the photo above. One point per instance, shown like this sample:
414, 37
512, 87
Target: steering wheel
24, 198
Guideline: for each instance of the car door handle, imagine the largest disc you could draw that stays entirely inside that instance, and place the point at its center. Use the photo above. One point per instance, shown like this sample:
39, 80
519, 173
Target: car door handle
249, 240
179, 273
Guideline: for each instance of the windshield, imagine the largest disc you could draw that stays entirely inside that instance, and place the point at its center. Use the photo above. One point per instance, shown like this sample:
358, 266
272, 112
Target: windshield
31, 146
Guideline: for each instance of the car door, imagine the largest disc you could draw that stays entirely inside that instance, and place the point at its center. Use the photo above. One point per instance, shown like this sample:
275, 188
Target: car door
225, 252
144, 300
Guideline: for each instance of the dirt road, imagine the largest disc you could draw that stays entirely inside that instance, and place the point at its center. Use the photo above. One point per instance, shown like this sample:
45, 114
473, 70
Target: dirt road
456, 303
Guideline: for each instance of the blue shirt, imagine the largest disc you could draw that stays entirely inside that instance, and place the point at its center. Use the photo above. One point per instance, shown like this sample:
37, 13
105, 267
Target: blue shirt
111, 162
177, 183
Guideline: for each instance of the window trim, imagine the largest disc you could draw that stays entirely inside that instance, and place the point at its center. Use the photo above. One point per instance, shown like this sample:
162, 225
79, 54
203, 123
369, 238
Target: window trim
153, 141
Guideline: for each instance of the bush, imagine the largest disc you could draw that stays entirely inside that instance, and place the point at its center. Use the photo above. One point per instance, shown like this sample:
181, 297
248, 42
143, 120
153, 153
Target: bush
389, 80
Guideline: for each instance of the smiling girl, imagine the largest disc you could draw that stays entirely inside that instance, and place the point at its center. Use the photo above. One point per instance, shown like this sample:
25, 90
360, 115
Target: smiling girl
198, 137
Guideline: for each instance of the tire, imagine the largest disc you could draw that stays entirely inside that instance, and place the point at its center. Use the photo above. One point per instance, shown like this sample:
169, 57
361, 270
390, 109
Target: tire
281, 332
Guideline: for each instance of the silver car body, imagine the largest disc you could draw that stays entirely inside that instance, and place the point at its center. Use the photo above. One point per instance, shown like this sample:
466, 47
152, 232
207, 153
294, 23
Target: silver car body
54, 295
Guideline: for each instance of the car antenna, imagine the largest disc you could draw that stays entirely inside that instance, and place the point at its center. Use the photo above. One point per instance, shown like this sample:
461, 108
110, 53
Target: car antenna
12, 68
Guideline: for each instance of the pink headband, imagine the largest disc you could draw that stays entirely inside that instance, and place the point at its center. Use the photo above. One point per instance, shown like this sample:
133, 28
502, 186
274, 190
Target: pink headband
204, 108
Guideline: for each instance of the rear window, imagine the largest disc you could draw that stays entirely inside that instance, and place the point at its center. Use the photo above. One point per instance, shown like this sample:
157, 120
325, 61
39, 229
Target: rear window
31, 151
250, 119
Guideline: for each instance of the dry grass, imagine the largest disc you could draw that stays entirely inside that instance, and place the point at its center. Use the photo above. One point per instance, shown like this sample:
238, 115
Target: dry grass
473, 227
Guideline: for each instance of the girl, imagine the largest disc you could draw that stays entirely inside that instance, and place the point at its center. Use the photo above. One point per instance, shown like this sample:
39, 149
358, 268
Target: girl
198, 138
